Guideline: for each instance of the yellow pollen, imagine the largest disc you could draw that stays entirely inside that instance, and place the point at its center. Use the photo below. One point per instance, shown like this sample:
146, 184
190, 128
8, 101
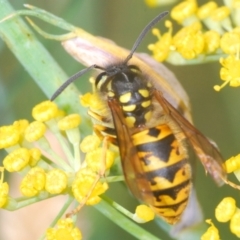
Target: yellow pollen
21, 125
233, 164
9, 136
230, 42
45, 111
211, 233
220, 13
33, 182
125, 98
230, 72
69, 122
90, 143
189, 41
94, 159
35, 155
234, 224
84, 182
145, 213
35, 131
65, 230
206, 10
212, 41
184, 10
144, 92
16, 160
146, 103
236, 4
85, 99
93, 101
129, 108
56, 181
225, 209
161, 48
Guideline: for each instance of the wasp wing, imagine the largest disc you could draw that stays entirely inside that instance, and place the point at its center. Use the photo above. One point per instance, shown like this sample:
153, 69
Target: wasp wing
205, 150
131, 164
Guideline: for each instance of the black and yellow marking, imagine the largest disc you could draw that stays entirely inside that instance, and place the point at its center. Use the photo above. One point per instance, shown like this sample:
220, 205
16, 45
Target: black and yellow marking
167, 170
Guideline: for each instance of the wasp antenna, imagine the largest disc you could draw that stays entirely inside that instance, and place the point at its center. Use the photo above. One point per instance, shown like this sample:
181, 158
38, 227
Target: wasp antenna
143, 33
72, 79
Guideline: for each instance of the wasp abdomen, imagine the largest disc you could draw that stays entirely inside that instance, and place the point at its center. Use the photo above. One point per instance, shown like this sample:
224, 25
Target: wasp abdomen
167, 170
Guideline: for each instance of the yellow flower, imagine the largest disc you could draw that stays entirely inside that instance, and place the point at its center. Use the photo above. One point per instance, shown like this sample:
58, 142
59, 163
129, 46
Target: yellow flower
225, 209
56, 181
21, 126
93, 101
35, 131
65, 231
16, 160
33, 182
212, 41
86, 187
233, 164
45, 111
69, 122
206, 10
184, 10
9, 136
143, 214
35, 156
94, 159
162, 47
230, 42
90, 143
230, 72
189, 41
234, 224
211, 233
220, 13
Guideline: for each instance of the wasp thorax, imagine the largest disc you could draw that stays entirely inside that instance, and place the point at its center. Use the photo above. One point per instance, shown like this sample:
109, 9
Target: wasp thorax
132, 91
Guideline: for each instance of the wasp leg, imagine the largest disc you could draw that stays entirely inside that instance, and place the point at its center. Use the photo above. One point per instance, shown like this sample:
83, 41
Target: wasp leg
101, 173
83, 202
103, 131
231, 184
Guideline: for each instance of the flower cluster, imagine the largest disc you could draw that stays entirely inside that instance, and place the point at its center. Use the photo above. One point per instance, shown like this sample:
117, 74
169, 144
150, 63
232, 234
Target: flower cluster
53, 159
41, 151
209, 33
225, 211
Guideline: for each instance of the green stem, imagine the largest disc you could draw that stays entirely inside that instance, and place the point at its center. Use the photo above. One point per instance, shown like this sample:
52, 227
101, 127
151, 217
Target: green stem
14, 204
37, 61
60, 214
106, 207
115, 179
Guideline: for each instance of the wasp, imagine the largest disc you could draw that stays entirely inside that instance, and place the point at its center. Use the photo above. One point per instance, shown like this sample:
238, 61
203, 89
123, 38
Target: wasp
152, 135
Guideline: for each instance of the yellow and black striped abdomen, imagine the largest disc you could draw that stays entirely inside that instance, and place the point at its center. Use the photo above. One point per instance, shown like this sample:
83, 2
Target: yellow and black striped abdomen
166, 167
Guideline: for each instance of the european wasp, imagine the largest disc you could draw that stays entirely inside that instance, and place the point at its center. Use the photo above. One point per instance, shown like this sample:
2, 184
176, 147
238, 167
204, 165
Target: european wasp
152, 135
